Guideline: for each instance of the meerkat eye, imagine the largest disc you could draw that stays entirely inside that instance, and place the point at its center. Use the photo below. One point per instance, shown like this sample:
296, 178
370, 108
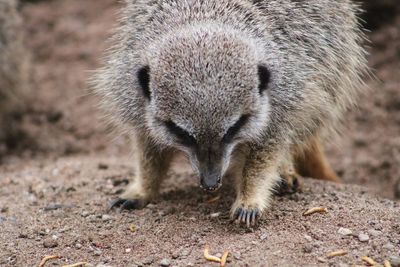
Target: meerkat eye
185, 137
264, 76
144, 80
232, 131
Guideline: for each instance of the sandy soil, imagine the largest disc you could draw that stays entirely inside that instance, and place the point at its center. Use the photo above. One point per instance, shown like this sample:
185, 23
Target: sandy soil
54, 194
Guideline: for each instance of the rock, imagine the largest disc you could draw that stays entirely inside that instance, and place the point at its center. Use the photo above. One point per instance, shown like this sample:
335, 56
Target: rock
363, 237
308, 248
106, 217
237, 255
389, 246
54, 206
135, 264
374, 232
215, 215
264, 236
165, 263
148, 260
85, 214
151, 206
97, 252
102, 166
308, 238
50, 243
344, 231
395, 261
185, 252
78, 245
23, 235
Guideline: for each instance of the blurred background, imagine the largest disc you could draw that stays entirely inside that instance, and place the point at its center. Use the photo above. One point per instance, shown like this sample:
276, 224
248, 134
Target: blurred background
49, 47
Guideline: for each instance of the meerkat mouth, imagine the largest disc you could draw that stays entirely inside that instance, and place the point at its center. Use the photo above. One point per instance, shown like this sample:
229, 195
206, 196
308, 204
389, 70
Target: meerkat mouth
211, 188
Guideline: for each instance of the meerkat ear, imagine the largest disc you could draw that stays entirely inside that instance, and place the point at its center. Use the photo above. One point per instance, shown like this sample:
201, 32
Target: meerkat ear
144, 80
264, 76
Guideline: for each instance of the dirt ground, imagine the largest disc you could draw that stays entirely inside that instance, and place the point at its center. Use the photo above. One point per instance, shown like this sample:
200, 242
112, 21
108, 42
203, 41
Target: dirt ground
54, 194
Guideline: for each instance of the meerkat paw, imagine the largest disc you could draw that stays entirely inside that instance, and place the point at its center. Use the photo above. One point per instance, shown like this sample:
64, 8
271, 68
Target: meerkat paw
248, 216
248, 212
133, 198
128, 204
290, 183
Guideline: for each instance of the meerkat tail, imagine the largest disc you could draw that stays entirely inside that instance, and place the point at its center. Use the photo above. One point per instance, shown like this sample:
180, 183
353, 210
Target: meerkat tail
311, 161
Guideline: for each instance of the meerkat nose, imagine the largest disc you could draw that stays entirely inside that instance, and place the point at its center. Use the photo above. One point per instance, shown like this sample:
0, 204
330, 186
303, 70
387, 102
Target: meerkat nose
210, 182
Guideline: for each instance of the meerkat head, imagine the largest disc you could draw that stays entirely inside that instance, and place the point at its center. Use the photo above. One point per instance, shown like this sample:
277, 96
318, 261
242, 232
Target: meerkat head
206, 92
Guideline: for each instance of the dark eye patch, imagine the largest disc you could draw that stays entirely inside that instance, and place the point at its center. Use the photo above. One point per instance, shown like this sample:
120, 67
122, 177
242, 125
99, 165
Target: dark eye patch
144, 80
264, 75
230, 134
180, 133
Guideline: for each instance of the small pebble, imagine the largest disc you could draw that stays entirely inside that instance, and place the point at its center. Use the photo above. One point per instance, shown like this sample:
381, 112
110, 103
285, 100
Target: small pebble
215, 215
78, 245
375, 233
23, 235
237, 255
389, 246
148, 260
185, 252
97, 252
363, 237
50, 243
395, 261
50, 207
308, 248
263, 236
308, 238
344, 231
106, 217
151, 206
102, 166
128, 250
165, 263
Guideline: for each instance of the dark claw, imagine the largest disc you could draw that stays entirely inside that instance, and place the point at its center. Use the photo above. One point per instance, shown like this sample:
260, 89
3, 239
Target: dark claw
131, 204
248, 217
127, 204
116, 203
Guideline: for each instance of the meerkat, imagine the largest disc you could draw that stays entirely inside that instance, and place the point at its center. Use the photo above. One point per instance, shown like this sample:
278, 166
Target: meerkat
245, 89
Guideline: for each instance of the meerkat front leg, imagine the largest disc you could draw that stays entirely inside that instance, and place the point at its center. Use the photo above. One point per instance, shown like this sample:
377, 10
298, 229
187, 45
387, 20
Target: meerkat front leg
255, 185
152, 165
